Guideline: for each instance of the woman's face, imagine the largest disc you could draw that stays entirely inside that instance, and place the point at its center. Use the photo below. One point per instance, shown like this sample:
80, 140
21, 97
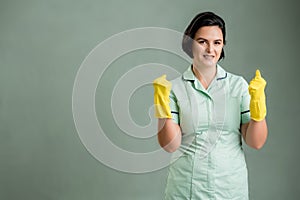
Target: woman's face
207, 45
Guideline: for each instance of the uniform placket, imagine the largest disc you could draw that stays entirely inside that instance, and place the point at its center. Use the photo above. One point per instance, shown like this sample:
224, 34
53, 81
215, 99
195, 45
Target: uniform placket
210, 156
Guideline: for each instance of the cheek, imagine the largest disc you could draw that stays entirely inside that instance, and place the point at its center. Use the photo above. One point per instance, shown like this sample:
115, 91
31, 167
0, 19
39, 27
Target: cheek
197, 49
219, 50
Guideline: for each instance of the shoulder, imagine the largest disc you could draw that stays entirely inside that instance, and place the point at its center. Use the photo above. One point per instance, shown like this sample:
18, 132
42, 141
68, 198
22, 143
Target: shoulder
178, 85
238, 86
236, 80
176, 81
184, 77
230, 77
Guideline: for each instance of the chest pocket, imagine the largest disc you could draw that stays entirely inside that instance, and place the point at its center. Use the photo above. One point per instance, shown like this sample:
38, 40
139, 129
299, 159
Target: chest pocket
185, 116
193, 110
226, 108
234, 110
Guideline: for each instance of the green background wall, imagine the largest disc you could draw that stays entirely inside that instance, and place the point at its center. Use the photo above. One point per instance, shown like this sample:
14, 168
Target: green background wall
42, 45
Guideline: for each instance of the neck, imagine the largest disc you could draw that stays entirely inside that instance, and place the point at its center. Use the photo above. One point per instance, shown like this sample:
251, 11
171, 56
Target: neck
205, 74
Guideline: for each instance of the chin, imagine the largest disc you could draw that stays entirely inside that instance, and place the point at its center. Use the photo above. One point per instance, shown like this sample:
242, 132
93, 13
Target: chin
210, 64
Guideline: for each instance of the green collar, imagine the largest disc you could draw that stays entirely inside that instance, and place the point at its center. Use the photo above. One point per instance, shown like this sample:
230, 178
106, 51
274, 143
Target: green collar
189, 75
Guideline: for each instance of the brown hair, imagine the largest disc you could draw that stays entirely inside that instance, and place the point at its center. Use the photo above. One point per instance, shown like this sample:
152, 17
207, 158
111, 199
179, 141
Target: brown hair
202, 19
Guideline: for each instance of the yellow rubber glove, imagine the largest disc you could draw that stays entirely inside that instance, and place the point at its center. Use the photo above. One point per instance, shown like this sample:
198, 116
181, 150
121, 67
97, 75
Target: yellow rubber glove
162, 89
256, 89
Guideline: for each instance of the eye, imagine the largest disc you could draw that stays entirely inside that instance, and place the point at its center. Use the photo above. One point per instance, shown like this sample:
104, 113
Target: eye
201, 41
218, 42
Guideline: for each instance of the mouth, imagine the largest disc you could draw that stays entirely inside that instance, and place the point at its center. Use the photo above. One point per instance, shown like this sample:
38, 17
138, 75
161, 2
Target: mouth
208, 56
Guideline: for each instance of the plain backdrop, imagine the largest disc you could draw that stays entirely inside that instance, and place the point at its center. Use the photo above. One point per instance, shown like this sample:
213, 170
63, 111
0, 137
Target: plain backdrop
42, 45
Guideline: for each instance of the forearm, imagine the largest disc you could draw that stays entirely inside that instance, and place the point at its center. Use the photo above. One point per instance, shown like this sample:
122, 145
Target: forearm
169, 135
256, 133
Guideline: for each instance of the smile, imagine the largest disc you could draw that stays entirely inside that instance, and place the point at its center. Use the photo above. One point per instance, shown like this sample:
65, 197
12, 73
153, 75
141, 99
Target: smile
208, 56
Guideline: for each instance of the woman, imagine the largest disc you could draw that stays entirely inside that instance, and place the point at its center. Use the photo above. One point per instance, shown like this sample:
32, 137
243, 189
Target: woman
204, 114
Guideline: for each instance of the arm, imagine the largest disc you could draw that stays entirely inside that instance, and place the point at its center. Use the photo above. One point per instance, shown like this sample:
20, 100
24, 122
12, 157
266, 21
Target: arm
169, 135
255, 133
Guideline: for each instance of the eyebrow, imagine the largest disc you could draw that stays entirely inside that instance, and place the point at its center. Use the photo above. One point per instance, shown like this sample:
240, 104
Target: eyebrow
200, 38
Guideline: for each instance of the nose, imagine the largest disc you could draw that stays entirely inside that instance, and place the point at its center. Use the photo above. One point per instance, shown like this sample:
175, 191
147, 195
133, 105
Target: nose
209, 48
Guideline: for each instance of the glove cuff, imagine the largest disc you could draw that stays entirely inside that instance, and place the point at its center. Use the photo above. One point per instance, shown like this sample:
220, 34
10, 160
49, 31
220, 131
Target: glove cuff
162, 111
258, 109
